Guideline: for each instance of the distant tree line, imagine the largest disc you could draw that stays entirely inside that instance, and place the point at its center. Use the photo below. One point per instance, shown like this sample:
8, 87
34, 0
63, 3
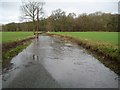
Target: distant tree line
58, 21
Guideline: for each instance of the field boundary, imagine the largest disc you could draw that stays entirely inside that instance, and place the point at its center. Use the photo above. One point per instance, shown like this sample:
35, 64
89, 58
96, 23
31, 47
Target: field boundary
104, 58
7, 47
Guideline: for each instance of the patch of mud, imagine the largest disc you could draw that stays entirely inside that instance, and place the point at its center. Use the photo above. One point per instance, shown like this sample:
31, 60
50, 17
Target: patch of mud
9, 68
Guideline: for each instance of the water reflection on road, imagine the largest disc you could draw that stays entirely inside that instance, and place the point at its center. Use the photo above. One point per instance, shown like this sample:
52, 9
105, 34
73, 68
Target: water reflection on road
51, 62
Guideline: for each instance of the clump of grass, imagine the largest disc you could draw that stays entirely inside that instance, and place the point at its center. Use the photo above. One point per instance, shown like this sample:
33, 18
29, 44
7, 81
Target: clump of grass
103, 47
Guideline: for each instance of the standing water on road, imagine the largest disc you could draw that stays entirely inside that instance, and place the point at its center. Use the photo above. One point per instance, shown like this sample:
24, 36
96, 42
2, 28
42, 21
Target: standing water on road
52, 62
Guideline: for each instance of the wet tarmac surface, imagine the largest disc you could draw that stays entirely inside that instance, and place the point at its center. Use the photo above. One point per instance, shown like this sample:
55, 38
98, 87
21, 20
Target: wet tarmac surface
52, 63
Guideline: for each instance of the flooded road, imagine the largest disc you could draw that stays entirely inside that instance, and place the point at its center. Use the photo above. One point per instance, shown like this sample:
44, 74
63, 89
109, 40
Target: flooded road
50, 62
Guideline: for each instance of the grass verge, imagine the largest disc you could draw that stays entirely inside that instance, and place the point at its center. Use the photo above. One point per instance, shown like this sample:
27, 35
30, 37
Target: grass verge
9, 50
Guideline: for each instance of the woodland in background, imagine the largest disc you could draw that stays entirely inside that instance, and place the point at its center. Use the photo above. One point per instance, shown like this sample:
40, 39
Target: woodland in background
58, 21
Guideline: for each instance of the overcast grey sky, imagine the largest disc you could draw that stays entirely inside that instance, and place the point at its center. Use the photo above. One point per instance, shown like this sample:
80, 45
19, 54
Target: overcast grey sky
10, 10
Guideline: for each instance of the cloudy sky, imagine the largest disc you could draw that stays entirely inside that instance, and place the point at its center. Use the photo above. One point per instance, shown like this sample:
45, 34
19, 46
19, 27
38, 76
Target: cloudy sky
10, 10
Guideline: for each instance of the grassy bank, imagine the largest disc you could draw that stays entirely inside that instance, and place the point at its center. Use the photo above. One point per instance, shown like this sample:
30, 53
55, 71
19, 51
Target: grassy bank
8, 55
104, 45
13, 43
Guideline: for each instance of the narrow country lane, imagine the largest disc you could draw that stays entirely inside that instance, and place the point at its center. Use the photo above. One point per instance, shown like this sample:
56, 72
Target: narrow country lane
52, 63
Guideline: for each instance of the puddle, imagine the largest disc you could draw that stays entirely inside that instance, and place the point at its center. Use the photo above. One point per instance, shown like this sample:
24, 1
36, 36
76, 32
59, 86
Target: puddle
68, 65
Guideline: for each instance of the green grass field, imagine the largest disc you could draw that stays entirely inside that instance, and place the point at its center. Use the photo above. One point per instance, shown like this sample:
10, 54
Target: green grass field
110, 37
15, 36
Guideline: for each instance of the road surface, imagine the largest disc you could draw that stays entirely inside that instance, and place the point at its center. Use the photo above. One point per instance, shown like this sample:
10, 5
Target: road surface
53, 63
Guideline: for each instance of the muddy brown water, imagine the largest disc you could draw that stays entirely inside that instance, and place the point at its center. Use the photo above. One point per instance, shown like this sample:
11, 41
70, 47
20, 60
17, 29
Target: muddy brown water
50, 62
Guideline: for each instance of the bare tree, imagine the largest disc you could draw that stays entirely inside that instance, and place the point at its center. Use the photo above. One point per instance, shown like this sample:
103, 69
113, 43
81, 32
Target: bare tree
32, 10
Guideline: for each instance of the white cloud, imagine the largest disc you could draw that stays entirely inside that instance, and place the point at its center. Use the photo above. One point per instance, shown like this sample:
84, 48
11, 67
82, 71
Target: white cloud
10, 10
81, 0
82, 7
63, 0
